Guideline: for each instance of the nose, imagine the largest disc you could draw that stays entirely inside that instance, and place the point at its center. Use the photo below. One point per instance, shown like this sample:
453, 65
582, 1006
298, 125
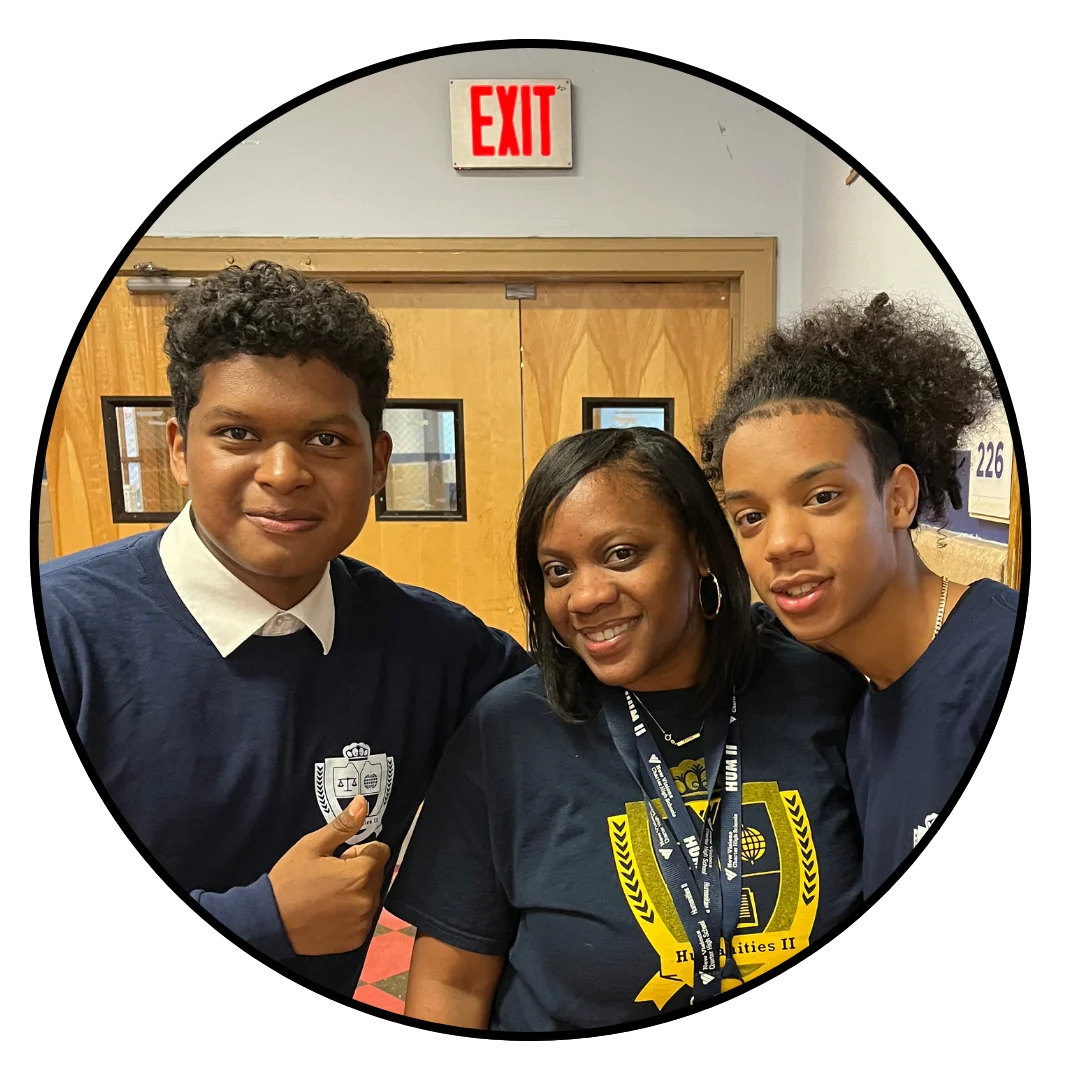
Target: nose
786, 536
591, 588
282, 468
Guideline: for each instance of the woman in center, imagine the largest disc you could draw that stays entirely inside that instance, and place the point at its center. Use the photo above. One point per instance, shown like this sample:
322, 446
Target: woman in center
660, 809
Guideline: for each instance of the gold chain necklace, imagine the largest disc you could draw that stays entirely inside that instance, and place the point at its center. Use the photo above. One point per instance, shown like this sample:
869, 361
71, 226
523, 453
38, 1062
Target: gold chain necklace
670, 738
941, 606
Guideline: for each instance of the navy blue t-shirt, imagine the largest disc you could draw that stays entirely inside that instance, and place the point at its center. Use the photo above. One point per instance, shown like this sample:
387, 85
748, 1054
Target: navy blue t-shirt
534, 844
911, 743
219, 765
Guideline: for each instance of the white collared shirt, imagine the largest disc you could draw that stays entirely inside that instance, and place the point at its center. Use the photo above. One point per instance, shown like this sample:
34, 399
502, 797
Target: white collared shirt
228, 611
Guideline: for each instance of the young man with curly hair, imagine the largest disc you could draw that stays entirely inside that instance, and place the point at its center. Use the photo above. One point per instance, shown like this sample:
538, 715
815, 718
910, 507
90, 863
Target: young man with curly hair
251, 700
832, 443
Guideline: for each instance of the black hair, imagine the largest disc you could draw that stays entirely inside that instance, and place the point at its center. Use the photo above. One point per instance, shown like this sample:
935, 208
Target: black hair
905, 375
668, 470
270, 310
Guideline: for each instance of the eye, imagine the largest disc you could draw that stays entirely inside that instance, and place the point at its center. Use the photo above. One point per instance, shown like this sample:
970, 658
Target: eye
556, 573
748, 518
622, 553
236, 434
823, 498
327, 439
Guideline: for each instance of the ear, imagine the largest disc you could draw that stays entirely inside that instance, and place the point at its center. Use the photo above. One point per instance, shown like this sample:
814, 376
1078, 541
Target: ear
902, 497
701, 557
381, 449
177, 451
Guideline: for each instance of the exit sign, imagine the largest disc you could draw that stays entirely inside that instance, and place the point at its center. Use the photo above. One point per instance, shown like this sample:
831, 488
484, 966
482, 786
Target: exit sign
511, 123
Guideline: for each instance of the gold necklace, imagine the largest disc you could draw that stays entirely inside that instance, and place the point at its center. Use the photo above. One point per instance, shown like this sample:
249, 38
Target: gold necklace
941, 606
670, 738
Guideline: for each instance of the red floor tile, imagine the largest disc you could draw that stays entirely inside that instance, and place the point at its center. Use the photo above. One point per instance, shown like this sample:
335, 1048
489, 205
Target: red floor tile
388, 954
386, 919
372, 995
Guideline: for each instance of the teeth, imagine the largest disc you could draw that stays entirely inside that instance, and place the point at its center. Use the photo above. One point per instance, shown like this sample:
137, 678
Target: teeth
802, 590
609, 633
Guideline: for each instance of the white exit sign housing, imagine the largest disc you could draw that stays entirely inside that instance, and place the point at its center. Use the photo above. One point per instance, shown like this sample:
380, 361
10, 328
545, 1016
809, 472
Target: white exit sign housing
511, 124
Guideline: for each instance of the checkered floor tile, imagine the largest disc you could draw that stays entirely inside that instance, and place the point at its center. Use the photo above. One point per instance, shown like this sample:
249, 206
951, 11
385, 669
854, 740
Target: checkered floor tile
386, 968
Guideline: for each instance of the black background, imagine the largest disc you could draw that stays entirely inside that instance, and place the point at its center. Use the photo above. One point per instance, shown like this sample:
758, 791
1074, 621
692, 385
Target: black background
107, 937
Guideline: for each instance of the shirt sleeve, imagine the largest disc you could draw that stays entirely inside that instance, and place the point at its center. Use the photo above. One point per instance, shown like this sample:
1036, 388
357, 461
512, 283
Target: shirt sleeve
493, 657
849, 676
448, 885
765, 617
250, 912
66, 649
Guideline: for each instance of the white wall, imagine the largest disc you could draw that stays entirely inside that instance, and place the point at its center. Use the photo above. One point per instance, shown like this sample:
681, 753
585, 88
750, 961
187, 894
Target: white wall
372, 158
855, 242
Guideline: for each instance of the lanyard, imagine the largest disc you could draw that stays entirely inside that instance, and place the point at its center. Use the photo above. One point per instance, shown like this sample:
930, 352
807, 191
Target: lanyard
705, 884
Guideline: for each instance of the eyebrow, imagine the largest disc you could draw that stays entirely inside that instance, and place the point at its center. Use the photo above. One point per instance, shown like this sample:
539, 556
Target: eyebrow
336, 420
222, 412
806, 474
600, 542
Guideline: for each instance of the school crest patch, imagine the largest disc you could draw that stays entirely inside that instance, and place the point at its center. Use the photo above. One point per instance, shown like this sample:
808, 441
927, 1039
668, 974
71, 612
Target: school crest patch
358, 772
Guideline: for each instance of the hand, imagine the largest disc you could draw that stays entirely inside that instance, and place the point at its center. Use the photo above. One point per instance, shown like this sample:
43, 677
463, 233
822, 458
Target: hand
328, 904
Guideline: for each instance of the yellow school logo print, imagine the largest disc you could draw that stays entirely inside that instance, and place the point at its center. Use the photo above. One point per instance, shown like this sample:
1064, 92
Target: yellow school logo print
779, 889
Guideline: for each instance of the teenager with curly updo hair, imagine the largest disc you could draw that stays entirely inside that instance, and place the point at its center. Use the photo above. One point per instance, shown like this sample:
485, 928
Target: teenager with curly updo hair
833, 443
246, 694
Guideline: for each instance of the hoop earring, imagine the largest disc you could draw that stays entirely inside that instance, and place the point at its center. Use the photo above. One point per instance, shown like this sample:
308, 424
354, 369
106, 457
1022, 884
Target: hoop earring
558, 641
710, 576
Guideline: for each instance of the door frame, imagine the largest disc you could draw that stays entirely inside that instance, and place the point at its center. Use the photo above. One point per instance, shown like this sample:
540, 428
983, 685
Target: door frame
1014, 560
749, 263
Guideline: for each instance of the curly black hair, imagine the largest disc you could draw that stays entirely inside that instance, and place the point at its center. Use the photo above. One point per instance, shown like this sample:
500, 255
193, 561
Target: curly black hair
903, 373
270, 310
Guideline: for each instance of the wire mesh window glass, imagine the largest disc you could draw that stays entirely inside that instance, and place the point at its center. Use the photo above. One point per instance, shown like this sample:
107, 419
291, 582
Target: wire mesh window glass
628, 412
141, 484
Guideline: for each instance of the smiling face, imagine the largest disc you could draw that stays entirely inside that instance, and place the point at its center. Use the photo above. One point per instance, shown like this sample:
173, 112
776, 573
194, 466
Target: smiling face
280, 469
818, 536
621, 584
